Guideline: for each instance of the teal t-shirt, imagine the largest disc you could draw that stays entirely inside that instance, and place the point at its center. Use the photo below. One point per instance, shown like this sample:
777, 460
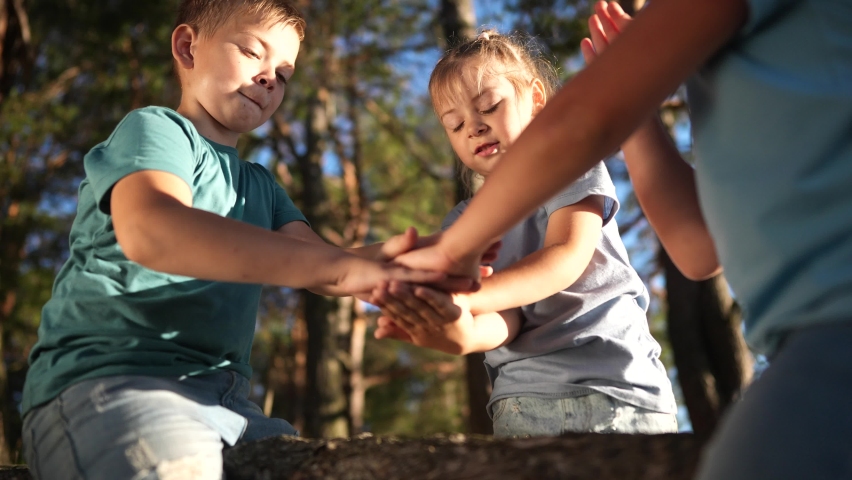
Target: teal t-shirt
772, 121
110, 316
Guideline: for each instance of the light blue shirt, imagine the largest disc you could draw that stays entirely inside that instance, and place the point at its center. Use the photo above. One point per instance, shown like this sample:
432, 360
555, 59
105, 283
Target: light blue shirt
772, 122
590, 337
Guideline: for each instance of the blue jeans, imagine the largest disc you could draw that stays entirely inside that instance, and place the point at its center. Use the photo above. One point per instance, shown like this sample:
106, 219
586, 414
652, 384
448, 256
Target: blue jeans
794, 422
596, 413
144, 428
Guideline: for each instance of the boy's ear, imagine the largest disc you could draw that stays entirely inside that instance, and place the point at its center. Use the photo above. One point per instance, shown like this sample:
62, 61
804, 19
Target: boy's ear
539, 98
183, 38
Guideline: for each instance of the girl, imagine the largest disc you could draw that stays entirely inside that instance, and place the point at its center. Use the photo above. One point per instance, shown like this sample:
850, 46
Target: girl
570, 349
771, 103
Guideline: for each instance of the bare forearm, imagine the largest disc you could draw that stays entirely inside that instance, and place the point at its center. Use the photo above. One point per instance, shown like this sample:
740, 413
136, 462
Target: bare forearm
177, 239
533, 278
594, 113
493, 330
665, 187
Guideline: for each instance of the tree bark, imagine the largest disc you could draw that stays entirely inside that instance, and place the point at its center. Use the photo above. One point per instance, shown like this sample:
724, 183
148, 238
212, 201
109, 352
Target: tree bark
712, 359
457, 457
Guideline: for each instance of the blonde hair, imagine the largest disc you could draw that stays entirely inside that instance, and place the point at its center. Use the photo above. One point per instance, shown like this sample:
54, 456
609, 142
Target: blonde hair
516, 57
207, 16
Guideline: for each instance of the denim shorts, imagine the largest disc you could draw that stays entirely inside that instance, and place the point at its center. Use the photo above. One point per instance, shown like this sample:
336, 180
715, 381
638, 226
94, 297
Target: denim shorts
520, 417
144, 428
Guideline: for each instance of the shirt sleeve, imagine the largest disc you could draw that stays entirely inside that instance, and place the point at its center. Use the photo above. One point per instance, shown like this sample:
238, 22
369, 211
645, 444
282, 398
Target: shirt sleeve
146, 139
454, 214
594, 182
285, 210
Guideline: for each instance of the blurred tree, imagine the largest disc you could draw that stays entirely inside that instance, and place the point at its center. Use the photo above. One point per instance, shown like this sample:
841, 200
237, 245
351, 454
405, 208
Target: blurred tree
458, 23
350, 145
69, 71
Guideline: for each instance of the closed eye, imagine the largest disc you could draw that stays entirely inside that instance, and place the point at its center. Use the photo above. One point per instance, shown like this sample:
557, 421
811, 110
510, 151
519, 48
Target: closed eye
492, 109
250, 53
459, 127
281, 78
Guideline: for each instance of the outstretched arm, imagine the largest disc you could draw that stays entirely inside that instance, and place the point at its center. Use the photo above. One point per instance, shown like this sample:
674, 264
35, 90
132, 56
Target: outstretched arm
590, 117
663, 182
572, 234
157, 227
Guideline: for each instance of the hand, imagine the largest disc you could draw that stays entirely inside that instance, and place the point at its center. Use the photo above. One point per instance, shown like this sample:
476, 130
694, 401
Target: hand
489, 256
434, 257
359, 276
399, 244
424, 317
605, 25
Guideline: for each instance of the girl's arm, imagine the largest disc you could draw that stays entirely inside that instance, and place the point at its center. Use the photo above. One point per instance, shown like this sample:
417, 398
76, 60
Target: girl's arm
156, 226
433, 319
664, 184
590, 117
572, 235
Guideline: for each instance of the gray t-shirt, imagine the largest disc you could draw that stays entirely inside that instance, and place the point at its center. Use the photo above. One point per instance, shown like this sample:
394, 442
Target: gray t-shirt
591, 337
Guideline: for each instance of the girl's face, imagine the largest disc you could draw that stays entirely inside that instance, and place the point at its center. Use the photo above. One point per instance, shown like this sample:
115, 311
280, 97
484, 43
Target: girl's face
486, 116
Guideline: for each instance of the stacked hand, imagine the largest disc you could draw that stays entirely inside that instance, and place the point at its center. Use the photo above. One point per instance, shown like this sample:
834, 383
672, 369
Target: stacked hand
423, 316
426, 315
605, 25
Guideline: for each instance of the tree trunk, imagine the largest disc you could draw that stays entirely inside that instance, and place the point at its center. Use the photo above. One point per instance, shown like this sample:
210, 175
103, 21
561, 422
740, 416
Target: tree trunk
712, 359
458, 23
326, 411
458, 20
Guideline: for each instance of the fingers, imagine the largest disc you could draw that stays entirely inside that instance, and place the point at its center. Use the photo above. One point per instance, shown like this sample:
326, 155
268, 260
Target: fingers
596, 32
394, 309
403, 274
456, 284
618, 15
610, 29
605, 25
419, 311
399, 244
486, 271
388, 329
588, 50
441, 303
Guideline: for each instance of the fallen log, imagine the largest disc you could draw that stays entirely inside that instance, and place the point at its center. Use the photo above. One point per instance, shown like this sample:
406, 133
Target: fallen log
457, 457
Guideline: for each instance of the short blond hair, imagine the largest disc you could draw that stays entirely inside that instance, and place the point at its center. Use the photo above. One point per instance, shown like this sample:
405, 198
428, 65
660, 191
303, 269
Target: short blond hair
207, 16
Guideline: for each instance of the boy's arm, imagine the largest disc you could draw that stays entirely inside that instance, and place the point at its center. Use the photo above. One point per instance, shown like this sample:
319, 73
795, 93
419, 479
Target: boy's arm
429, 318
569, 243
589, 117
157, 227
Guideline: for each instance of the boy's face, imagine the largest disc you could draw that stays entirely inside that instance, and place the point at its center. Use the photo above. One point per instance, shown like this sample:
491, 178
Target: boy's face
238, 76
484, 118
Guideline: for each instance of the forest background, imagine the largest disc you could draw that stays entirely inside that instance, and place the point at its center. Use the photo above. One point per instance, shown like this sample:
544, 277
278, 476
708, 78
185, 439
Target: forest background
358, 148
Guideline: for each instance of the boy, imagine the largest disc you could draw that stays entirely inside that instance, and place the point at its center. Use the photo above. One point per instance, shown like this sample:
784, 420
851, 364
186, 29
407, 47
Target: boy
141, 367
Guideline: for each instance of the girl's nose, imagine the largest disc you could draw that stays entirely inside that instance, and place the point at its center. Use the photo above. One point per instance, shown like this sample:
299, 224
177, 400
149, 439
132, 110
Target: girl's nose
478, 128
